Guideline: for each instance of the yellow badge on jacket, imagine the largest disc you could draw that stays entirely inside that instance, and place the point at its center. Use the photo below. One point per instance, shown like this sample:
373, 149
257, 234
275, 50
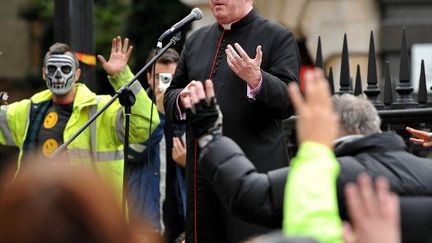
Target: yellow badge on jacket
49, 146
51, 120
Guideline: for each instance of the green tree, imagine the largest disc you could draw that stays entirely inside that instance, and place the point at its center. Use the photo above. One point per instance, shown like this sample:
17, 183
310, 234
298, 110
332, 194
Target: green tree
109, 20
141, 21
148, 20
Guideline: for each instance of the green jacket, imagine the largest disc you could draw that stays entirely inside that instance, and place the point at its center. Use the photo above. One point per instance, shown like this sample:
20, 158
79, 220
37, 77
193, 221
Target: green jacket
101, 144
310, 204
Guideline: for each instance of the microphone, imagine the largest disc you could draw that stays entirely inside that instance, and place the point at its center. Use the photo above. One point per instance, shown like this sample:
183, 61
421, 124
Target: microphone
195, 14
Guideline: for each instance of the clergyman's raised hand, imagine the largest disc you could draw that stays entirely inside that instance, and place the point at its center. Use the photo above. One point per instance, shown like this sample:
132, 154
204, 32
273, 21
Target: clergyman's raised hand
245, 67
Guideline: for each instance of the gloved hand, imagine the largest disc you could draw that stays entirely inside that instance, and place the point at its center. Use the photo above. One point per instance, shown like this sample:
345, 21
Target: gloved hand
202, 112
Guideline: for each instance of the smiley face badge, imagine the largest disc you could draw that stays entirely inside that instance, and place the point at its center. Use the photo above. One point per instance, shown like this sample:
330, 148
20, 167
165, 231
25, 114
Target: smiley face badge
49, 146
51, 120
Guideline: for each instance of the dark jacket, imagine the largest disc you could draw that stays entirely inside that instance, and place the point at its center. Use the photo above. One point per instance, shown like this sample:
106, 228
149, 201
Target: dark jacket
152, 168
254, 125
258, 197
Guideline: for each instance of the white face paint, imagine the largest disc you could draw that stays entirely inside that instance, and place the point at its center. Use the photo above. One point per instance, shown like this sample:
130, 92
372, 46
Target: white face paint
60, 73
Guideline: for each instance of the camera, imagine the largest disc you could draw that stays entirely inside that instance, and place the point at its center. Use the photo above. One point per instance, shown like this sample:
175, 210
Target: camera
164, 80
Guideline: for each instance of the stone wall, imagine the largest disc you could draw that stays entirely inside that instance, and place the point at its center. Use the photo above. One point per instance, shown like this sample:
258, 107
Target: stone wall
14, 41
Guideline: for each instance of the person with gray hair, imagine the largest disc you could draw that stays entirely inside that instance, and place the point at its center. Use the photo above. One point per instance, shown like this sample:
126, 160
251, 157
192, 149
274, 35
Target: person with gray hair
356, 115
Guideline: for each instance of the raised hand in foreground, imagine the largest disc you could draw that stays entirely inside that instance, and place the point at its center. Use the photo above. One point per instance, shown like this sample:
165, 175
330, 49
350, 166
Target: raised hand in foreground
374, 214
316, 120
202, 112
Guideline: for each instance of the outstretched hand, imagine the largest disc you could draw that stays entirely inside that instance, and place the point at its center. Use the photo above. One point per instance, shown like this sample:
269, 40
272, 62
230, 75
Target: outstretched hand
420, 137
119, 56
202, 111
316, 120
374, 214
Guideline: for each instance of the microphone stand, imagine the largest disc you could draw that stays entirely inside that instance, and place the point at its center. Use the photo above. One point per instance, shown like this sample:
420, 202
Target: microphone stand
126, 99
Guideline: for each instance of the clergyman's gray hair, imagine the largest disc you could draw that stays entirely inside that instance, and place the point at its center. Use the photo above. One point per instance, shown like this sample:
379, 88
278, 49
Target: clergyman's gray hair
357, 115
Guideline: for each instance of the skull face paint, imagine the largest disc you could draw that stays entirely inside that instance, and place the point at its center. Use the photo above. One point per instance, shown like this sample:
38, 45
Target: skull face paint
60, 72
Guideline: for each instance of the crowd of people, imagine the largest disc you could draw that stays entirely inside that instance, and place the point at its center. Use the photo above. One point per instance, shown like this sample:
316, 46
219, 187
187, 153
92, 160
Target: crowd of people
207, 157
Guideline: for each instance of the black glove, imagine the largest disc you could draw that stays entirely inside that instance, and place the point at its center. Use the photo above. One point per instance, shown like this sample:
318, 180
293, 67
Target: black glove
205, 120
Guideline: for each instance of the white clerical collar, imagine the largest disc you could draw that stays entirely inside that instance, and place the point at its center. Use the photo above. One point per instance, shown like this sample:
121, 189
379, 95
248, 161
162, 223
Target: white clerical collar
228, 26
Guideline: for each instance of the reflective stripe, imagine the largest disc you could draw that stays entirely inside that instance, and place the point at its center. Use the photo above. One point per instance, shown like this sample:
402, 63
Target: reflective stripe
4, 126
99, 156
119, 127
135, 87
92, 111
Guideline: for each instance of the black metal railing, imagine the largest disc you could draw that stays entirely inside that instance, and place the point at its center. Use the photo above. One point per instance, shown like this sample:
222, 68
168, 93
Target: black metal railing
395, 114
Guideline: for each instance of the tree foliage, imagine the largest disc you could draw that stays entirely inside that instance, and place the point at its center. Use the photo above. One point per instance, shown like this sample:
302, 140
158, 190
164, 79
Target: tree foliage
141, 21
148, 20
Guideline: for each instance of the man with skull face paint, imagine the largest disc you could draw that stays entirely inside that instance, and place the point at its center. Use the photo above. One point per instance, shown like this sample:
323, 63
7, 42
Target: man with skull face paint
39, 125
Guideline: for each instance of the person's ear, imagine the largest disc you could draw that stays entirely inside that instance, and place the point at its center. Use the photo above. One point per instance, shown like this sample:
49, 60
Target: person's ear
77, 74
43, 73
149, 78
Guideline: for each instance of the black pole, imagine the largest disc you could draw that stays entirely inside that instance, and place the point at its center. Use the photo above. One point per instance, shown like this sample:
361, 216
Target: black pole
73, 25
126, 99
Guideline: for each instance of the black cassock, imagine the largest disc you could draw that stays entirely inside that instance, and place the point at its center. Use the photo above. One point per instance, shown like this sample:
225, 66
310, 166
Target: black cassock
254, 124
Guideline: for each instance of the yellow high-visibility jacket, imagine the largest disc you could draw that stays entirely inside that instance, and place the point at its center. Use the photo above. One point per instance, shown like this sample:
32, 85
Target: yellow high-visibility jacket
101, 144
310, 204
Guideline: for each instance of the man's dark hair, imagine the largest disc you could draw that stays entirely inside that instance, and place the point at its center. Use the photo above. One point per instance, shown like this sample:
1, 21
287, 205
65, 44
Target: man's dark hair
170, 56
61, 48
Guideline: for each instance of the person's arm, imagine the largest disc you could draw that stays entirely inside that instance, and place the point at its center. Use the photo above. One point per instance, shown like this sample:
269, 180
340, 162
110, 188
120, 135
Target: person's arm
140, 111
254, 197
118, 75
284, 68
13, 122
310, 207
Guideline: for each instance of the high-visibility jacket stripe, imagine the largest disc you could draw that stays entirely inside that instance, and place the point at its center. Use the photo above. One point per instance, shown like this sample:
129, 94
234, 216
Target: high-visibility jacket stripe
4, 126
98, 156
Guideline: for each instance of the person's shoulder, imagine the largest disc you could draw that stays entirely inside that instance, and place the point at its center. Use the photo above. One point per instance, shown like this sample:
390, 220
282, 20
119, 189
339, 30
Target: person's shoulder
273, 26
41, 96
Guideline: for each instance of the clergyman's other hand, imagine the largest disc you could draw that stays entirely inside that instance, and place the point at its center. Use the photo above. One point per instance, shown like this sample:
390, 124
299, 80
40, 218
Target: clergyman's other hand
245, 67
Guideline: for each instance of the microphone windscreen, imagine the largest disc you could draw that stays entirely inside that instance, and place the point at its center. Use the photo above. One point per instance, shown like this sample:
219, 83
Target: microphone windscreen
198, 13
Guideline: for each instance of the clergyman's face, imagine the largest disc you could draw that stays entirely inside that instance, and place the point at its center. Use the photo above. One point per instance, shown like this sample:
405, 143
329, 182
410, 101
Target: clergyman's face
228, 11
